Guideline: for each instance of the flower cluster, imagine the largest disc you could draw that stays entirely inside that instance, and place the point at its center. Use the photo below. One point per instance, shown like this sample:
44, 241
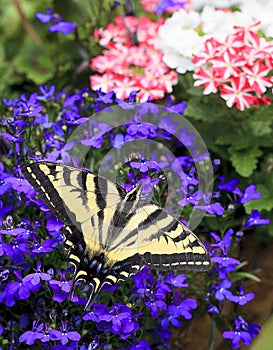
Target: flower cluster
180, 42
33, 276
239, 67
131, 60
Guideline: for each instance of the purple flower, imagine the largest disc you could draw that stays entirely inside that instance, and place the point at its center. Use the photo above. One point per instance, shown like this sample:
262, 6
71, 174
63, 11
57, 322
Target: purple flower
140, 130
142, 345
221, 290
179, 107
167, 4
242, 298
225, 261
34, 278
106, 98
65, 335
62, 153
58, 25
97, 311
242, 332
177, 281
143, 283
212, 309
117, 140
54, 226
250, 194
167, 123
121, 320
155, 306
223, 243
20, 289
46, 92
229, 186
46, 247
254, 219
61, 289
62, 27
215, 208
147, 184
144, 165
4, 209
185, 307
30, 336
45, 18
171, 317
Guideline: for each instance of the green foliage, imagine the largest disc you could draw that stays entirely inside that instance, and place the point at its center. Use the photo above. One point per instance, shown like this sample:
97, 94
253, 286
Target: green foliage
30, 55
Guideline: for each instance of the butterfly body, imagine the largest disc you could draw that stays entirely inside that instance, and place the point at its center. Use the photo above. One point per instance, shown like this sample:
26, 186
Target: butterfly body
110, 234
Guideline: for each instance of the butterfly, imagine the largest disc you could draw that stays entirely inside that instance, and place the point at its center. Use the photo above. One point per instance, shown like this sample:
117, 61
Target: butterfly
110, 233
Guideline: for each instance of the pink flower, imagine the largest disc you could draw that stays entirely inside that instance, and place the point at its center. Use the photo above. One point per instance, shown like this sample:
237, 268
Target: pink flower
127, 65
237, 93
228, 64
210, 48
207, 79
256, 76
239, 67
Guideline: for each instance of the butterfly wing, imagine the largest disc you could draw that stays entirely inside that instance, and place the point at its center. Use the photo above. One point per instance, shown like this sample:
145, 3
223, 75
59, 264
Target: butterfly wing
86, 203
161, 241
111, 234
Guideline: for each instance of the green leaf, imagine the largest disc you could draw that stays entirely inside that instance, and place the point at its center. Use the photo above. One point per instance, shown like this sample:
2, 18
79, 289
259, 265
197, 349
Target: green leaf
240, 275
260, 127
244, 160
35, 62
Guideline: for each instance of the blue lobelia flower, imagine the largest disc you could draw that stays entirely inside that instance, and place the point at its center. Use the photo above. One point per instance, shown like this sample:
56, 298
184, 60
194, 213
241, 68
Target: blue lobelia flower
255, 219
250, 194
30, 336
242, 298
242, 332
35, 278
65, 335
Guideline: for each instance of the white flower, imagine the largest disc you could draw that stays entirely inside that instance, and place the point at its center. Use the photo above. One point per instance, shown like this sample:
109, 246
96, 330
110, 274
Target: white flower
184, 19
199, 4
219, 24
179, 40
259, 11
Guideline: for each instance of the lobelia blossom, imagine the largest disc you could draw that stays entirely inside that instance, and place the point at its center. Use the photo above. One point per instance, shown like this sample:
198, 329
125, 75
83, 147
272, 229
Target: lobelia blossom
58, 25
242, 298
255, 219
30, 336
35, 278
243, 331
64, 335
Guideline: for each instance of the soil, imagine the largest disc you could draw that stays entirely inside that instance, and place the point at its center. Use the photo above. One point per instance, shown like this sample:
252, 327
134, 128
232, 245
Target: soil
259, 310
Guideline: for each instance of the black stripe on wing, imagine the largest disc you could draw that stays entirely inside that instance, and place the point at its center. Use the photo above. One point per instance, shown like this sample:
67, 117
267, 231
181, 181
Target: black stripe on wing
47, 192
173, 246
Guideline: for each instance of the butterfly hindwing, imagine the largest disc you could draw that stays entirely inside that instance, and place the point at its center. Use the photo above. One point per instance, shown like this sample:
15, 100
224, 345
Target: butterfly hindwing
111, 234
